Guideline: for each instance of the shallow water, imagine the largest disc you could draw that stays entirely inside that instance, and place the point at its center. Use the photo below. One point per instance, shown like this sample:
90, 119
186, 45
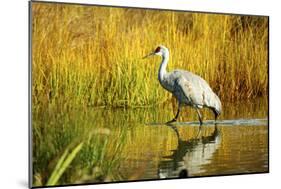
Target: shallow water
151, 149
237, 143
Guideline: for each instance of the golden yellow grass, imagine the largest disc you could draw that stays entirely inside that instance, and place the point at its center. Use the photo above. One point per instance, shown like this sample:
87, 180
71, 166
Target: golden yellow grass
86, 55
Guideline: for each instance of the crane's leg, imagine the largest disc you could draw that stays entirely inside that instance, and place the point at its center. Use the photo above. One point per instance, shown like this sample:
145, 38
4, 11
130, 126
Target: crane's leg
216, 115
177, 115
199, 116
216, 128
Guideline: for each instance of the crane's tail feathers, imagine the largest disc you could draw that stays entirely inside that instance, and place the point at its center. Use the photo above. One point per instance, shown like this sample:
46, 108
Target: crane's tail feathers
217, 106
216, 112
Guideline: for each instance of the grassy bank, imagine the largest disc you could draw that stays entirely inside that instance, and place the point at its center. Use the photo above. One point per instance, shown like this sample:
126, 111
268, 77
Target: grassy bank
92, 55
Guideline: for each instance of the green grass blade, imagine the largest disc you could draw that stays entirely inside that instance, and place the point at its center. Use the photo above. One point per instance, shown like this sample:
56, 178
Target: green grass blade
63, 163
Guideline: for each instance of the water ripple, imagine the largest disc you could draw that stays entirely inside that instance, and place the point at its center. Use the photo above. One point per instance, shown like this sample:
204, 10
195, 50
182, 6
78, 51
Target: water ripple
231, 122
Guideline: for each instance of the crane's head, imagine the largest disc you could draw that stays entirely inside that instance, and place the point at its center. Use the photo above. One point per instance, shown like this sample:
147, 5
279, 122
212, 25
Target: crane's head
160, 51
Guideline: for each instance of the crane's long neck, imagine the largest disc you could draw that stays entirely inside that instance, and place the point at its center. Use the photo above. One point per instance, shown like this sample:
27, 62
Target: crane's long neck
162, 70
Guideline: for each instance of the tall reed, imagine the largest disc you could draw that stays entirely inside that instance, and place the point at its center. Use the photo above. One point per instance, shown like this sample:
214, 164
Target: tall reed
92, 55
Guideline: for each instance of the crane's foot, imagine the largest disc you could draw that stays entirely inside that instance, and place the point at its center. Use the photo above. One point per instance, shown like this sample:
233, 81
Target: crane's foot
171, 121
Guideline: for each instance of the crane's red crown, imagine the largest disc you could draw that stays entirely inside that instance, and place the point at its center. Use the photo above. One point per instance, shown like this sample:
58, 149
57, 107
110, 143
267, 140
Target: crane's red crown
157, 50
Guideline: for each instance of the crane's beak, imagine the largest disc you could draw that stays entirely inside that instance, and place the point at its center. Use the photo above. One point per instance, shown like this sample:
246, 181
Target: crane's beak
151, 54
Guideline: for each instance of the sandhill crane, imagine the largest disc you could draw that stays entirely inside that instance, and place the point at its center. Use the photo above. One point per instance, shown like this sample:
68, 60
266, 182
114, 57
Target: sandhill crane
188, 88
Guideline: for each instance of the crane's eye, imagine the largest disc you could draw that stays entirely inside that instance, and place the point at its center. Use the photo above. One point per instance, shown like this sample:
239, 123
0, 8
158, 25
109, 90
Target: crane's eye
157, 50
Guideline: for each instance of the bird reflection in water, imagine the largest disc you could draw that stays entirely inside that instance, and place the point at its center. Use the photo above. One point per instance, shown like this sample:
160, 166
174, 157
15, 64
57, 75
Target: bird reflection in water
190, 155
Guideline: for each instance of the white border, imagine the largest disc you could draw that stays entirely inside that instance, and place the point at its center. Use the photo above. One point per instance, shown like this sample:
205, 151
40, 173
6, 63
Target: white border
14, 93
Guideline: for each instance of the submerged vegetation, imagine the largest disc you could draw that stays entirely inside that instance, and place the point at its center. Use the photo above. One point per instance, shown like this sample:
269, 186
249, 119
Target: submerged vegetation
76, 146
87, 57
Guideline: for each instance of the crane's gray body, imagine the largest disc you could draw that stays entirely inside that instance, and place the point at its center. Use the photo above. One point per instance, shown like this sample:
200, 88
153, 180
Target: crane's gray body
188, 88
191, 90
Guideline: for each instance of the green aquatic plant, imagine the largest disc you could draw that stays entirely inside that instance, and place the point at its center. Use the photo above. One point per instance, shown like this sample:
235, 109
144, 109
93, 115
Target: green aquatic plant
62, 164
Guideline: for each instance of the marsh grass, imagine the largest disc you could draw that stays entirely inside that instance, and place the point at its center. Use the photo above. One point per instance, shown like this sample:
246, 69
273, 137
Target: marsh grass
93, 55
62, 164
